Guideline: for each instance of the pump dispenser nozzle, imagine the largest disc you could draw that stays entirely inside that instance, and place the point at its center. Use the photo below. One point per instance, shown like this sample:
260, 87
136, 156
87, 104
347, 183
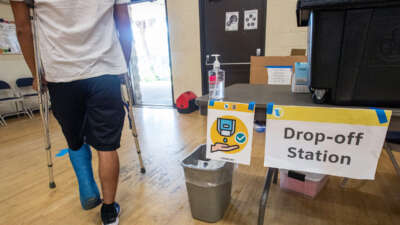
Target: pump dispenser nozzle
216, 64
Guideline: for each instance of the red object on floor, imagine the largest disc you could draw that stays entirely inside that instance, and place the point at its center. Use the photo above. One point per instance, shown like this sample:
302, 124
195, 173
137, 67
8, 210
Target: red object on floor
186, 102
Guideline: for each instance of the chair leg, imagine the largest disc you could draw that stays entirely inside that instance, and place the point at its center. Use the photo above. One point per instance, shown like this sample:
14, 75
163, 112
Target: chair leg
392, 158
30, 111
26, 111
3, 121
16, 108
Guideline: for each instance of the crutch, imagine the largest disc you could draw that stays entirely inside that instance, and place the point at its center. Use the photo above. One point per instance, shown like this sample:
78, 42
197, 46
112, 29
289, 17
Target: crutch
129, 90
42, 94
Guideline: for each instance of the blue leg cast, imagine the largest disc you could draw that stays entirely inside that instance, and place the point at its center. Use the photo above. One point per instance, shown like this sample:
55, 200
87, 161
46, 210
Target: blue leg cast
81, 160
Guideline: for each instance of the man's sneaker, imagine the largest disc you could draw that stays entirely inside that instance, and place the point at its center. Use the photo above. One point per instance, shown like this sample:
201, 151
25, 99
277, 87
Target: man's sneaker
110, 214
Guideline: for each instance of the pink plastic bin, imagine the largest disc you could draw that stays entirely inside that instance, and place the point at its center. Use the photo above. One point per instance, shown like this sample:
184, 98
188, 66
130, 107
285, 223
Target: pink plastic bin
310, 187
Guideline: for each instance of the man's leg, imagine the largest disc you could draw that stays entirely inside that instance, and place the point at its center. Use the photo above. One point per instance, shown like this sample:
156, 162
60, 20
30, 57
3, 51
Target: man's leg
109, 174
105, 120
68, 102
81, 161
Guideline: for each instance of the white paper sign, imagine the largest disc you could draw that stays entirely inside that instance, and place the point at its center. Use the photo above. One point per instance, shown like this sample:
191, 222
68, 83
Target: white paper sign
251, 19
232, 21
230, 132
8, 39
279, 75
333, 141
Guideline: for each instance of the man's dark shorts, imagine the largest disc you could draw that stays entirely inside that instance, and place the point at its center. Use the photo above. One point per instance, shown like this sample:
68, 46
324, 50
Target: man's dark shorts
90, 111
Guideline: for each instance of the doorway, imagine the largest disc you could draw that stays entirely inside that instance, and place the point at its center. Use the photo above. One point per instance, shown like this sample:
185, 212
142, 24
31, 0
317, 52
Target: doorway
151, 56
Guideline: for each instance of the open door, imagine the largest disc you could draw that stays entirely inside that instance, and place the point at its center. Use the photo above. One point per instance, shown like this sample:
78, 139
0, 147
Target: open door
151, 56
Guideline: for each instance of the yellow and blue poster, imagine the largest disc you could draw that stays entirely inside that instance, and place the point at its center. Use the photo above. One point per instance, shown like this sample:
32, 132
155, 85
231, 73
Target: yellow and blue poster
335, 141
230, 131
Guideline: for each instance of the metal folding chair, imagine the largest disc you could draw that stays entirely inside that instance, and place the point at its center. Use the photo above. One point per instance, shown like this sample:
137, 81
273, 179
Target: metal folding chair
26, 91
8, 96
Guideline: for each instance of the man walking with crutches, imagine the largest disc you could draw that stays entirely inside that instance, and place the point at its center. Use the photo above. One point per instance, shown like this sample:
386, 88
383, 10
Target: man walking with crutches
84, 46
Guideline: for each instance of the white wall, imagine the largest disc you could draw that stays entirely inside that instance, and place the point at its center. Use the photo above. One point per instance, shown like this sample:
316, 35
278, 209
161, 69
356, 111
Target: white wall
282, 33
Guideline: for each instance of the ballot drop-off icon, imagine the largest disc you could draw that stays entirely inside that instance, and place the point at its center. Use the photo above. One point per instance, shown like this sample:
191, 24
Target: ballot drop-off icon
229, 135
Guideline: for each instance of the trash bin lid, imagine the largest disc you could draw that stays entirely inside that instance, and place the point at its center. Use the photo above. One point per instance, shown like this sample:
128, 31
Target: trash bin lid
304, 7
197, 160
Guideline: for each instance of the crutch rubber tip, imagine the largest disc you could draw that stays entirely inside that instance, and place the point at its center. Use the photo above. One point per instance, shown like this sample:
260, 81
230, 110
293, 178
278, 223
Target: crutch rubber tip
143, 170
52, 185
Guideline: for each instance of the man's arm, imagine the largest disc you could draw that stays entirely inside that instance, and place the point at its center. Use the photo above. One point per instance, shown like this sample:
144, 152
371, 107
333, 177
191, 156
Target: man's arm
123, 24
25, 37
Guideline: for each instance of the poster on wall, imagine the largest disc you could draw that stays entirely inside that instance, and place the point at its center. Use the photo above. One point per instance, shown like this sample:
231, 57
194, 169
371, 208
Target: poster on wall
230, 131
334, 141
231, 21
8, 38
251, 19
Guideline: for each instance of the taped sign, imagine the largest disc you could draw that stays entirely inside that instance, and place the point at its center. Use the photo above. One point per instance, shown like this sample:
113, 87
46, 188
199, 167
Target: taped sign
335, 141
230, 131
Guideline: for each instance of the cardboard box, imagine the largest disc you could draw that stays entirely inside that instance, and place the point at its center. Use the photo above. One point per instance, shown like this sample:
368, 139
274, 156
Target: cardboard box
296, 51
258, 72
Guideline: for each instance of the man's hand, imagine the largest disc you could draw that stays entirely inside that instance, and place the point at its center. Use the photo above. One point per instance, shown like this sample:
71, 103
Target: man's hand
35, 83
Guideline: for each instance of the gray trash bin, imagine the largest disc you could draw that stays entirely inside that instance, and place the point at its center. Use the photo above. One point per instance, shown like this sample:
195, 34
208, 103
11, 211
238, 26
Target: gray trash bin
208, 184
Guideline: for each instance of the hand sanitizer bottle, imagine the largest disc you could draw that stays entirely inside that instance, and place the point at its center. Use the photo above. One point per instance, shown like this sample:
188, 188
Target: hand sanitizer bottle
216, 81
